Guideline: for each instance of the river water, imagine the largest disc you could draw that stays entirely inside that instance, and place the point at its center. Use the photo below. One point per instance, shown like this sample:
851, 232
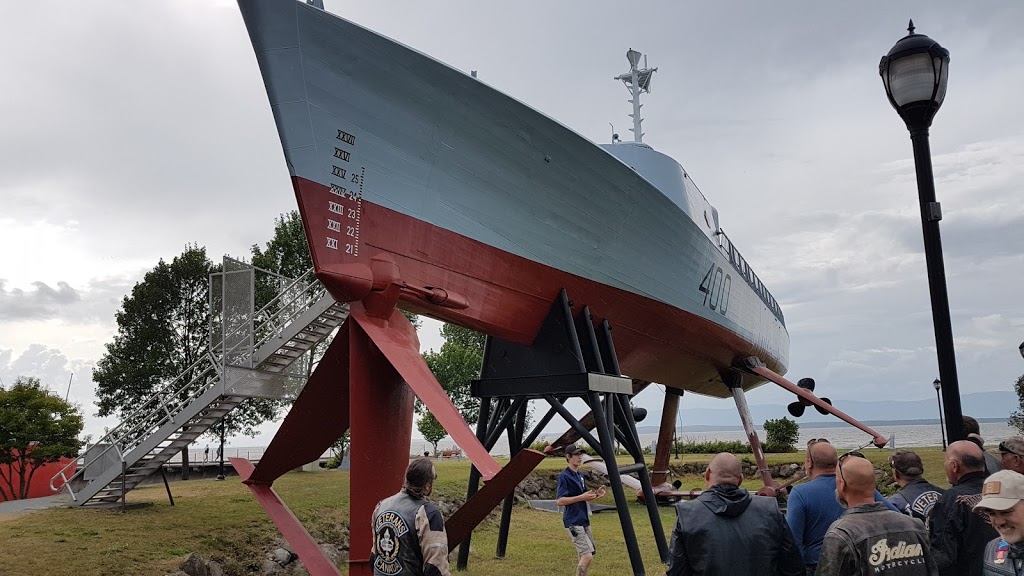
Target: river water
843, 437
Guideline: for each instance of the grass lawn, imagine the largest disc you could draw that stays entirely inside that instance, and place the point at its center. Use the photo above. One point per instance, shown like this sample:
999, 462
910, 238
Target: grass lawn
223, 521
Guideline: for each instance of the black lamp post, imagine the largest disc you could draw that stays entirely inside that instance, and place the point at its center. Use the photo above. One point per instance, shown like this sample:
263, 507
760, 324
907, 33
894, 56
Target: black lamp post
942, 426
1021, 349
914, 73
223, 425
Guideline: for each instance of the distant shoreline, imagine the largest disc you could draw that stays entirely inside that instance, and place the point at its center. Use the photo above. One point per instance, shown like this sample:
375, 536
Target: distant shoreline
828, 424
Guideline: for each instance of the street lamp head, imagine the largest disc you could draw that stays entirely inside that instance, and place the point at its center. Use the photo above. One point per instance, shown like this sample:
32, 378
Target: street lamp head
937, 384
914, 74
1021, 349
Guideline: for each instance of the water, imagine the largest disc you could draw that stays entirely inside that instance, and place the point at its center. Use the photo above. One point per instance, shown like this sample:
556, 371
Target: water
843, 437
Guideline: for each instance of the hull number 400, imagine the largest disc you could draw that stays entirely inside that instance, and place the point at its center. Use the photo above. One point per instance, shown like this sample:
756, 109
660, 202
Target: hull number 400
715, 287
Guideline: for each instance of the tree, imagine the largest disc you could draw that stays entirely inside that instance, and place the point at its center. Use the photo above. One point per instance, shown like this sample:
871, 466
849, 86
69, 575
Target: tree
1017, 418
455, 365
781, 435
431, 429
36, 428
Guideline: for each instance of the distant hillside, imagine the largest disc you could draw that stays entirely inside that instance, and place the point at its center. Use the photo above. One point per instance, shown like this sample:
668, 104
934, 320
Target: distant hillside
985, 406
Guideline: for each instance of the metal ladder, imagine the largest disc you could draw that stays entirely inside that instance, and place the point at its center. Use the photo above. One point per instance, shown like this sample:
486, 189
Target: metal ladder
298, 318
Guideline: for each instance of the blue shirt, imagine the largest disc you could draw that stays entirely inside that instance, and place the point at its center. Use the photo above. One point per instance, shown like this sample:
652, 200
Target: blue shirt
571, 484
812, 508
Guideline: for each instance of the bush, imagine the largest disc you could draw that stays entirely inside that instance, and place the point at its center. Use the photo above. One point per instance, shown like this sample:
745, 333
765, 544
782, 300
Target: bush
540, 446
711, 447
781, 435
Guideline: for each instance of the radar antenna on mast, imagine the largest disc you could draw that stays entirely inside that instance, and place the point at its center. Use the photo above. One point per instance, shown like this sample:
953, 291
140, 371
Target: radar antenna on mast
637, 81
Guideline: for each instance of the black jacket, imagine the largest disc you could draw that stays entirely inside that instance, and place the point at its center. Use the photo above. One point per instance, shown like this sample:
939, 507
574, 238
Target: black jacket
917, 498
726, 531
872, 539
958, 535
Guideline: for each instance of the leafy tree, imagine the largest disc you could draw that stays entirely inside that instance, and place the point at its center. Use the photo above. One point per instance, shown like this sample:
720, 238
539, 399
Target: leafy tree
36, 427
1017, 418
431, 429
455, 365
781, 435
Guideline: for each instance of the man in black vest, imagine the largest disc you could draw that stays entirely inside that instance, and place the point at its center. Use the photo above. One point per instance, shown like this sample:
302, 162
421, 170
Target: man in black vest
408, 532
958, 535
917, 495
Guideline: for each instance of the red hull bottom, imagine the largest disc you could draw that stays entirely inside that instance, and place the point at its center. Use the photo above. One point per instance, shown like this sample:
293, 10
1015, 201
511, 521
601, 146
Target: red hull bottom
508, 296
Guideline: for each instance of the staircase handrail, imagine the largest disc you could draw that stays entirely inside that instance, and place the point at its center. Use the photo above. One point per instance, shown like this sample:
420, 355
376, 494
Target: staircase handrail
126, 436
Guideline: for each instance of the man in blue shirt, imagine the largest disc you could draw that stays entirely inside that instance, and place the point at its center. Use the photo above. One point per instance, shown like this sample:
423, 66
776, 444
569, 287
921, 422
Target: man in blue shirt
573, 495
813, 506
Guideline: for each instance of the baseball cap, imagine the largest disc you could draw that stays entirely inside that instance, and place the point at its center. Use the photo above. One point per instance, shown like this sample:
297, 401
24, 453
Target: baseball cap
1014, 445
907, 463
1001, 491
573, 450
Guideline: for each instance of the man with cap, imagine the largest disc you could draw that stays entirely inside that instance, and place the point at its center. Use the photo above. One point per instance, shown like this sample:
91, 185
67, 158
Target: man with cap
917, 495
958, 534
573, 495
869, 538
1001, 499
1012, 452
408, 531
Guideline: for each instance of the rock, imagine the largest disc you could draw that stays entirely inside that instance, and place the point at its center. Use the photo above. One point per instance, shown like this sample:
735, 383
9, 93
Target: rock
331, 552
194, 565
281, 556
214, 568
270, 567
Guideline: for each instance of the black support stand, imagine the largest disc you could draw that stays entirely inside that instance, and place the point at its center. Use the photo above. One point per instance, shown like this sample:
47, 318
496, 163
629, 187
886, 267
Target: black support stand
568, 359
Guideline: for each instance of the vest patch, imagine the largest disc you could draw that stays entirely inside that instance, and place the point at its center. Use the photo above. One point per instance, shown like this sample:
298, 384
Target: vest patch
388, 527
923, 503
884, 557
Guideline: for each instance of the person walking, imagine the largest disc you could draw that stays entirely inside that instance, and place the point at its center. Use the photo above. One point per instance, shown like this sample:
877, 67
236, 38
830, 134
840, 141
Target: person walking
958, 535
727, 531
812, 506
206, 454
573, 495
1001, 498
408, 531
869, 538
917, 495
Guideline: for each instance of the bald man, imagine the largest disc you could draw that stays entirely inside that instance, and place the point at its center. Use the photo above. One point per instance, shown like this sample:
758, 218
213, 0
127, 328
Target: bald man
870, 538
812, 506
958, 535
726, 531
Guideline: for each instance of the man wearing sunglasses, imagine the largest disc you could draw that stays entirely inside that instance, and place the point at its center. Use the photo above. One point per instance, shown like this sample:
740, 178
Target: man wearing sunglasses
870, 538
812, 506
1012, 452
958, 535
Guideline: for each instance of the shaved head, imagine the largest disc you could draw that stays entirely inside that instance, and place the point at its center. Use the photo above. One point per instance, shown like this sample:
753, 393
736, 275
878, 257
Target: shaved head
724, 469
823, 456
857, 478
963, 457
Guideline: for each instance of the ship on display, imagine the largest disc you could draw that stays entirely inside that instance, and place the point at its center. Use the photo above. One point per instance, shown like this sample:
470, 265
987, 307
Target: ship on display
422, 187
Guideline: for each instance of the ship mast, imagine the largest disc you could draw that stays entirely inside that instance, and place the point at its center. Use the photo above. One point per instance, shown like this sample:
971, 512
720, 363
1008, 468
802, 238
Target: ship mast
637, 81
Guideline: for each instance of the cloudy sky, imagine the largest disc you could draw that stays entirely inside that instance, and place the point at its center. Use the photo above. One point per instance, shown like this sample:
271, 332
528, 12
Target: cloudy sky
130, 129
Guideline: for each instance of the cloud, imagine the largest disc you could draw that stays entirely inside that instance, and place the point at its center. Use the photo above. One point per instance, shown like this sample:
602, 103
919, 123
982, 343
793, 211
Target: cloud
40, 303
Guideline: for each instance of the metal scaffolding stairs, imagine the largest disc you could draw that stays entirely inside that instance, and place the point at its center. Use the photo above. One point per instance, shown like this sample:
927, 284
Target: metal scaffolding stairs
299, 317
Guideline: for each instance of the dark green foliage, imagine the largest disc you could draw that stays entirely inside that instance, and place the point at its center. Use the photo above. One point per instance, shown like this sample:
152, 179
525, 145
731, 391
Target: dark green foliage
1017, 418
455, 365
36, 427
711, 447
781, 435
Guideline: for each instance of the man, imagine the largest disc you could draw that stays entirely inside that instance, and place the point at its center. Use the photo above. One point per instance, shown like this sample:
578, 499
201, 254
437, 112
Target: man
728, 531
917, 495
869, 538
573, 495
408, 531
957, 534
1012, 452
1001, 499
973, 431
812, 506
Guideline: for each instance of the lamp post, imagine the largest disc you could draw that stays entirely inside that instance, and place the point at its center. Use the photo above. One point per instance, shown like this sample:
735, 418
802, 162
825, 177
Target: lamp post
223, 425
1021, 348
942, 426
914, 74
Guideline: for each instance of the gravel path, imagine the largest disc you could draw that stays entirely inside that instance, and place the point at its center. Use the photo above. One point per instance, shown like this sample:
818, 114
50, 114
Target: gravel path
15, 508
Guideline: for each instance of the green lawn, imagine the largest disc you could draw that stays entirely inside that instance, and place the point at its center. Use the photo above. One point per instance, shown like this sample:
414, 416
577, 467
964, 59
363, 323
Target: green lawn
223, 521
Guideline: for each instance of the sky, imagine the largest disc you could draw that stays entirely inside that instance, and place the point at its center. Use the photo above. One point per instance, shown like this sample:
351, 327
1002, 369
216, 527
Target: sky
130, 130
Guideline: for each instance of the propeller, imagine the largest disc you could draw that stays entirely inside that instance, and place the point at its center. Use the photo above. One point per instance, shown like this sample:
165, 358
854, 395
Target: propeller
797, 408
